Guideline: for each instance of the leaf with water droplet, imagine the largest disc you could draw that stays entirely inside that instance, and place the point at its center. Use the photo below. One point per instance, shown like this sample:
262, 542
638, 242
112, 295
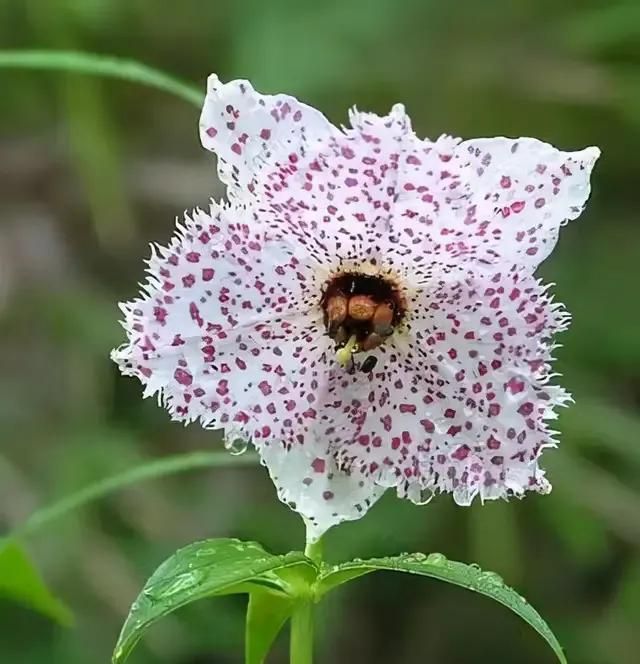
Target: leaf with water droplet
491, 578
209, 568
437, 566
436, 559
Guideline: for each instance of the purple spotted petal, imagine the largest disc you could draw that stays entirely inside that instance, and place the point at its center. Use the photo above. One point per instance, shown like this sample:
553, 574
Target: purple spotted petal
248, 130
233, 329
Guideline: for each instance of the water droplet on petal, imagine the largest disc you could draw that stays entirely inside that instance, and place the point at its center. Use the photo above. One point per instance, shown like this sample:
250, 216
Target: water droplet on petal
235, 444
388, 477
420, 495
577, 190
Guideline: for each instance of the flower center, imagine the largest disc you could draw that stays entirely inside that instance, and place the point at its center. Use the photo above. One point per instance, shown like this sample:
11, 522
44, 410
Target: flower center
360, 312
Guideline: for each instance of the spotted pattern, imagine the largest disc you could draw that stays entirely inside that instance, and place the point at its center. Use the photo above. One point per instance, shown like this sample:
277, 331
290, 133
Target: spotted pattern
229, 330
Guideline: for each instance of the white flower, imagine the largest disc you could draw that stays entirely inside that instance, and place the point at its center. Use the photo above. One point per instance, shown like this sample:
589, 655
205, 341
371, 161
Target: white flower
363, 309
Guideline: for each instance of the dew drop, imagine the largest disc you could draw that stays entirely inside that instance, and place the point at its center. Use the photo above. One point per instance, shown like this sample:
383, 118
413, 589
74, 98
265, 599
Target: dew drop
491, 578
415, 558
175, 585
577, 190
420, 495
436, 559
387, 478
236, 445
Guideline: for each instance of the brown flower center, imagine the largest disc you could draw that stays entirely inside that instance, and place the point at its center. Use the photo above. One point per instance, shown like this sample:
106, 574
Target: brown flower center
360, 312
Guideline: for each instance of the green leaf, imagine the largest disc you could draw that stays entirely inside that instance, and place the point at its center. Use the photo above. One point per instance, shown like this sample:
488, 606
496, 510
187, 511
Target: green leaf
209, 568
148, 470
21, 582
266, 615
101, 65
437, 566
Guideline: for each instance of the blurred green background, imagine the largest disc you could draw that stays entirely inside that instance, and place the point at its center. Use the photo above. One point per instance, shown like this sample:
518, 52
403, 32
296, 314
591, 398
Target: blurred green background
93, 170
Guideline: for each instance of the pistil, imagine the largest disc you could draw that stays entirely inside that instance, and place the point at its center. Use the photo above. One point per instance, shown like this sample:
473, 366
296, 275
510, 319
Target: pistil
343, 355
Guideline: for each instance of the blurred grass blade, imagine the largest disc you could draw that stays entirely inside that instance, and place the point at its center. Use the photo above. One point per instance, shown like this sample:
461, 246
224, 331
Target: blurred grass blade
601, 27
584, 483
21, 582
101, 65
494, 538
146, 471
205, 569
596, 423
94, 141
436, 566
94, 144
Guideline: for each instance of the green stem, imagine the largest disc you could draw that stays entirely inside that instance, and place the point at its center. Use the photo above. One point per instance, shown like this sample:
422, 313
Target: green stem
302, 633
302, 617
313, 550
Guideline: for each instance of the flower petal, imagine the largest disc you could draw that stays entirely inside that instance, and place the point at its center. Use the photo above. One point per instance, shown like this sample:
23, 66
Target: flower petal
211, 333
337, 198
454, 396
491, 200
491, 352
248, 130
461, 404
309, 480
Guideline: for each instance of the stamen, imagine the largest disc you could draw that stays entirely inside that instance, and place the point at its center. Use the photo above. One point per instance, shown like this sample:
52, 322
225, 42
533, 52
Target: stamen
361, 307
383, 319
361, 311
369, 364
371, 341
343, 355
336, 312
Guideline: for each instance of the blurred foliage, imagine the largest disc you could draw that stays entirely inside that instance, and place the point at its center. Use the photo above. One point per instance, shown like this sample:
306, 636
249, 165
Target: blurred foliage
91, 170
20, 582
